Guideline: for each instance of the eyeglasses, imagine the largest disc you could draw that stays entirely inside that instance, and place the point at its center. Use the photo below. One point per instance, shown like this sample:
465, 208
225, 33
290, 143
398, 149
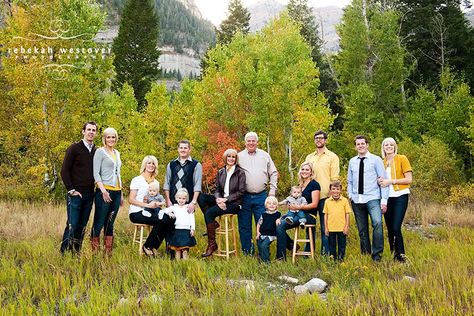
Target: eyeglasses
319, 137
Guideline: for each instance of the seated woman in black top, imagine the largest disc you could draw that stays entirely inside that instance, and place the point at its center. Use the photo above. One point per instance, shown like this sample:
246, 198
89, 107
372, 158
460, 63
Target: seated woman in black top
230, 187
311, 192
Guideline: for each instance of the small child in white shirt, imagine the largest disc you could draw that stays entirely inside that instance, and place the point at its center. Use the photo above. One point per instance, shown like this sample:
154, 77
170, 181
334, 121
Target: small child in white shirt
182, 238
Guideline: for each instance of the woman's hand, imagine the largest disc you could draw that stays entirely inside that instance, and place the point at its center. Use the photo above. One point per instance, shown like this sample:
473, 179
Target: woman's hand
384, 182
294, 207
121, 200
106, 196
153, 204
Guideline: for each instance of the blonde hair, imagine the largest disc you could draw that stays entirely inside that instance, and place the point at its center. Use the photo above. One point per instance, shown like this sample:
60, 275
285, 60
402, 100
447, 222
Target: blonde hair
299, 173
109, 131
271, 199
145, 161
229, 152
391, 141
182, 192
154, 186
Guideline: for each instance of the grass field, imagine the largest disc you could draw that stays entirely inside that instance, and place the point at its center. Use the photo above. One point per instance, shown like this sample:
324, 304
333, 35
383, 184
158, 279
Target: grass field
36, 279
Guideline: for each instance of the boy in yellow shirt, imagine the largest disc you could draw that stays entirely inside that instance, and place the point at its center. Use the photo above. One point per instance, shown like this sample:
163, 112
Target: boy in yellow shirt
336, 220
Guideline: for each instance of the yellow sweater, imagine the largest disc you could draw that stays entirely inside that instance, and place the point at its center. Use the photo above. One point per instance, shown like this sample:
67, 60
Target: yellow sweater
399, 166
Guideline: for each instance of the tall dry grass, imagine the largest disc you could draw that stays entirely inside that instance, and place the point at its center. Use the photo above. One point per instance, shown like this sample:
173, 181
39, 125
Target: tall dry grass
36, 280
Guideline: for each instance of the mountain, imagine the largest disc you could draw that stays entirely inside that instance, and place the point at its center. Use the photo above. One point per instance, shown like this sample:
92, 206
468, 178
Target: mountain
184, 35
327, 17
470, 16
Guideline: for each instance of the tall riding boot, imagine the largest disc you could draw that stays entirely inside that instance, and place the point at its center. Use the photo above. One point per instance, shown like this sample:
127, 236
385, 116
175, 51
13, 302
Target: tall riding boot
95, 242
108, 243
211, 240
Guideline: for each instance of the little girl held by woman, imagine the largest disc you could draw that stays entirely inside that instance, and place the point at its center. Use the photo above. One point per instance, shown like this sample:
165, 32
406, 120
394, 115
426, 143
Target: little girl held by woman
182, 237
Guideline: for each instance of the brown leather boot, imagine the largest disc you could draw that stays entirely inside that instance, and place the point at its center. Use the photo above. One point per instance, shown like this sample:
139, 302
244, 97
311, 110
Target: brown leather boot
108, 243
211, 240
95, 242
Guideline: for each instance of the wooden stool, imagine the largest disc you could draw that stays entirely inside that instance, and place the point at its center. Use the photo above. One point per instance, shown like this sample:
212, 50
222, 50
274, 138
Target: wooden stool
226, 228
140, 239
310, 228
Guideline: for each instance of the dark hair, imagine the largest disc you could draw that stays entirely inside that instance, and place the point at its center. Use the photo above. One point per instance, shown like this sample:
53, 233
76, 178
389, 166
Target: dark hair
89, 123
335, 184
321, 132
361, 137
185, 141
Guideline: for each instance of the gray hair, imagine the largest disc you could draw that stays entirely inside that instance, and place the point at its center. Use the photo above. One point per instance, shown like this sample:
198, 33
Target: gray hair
251, 134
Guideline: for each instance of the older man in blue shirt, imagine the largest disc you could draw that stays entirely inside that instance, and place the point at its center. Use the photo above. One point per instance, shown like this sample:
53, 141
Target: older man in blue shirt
367, 197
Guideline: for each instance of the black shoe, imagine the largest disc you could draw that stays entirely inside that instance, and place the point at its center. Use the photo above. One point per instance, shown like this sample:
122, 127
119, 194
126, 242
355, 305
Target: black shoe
289, 221
400, 258
148, 252
302, 225
377, 258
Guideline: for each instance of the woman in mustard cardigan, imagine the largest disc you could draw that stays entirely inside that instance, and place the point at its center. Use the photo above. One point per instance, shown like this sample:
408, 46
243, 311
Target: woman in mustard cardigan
399, 178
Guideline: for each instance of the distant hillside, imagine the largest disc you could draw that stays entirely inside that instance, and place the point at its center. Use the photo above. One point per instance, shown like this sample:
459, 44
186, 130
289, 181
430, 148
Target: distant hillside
470, 17
184, 35
327, 17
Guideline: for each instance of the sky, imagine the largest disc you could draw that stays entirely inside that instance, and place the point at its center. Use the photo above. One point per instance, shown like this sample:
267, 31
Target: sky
216, 10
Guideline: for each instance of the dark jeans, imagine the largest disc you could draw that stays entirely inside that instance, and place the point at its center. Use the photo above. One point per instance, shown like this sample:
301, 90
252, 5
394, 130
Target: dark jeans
337, 239
162, 229
362, 212
139, 218
78, 212
207, 204
253, 203
396, 209
105, 213
324, 238
263, 245
283, 240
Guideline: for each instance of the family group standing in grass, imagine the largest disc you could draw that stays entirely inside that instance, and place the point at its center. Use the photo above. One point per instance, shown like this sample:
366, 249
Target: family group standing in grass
246, 185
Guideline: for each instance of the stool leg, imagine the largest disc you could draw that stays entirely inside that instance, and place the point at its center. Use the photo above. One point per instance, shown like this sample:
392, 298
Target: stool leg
234, 235
227, 237
311, 241
140, 250
295, 243
135, 234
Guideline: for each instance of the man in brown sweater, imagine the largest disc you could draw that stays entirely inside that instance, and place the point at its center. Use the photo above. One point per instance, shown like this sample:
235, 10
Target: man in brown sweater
77, 176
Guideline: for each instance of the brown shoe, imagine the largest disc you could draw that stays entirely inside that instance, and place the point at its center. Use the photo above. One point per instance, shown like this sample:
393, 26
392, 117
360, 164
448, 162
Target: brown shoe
95, 243
108, 243
211, 240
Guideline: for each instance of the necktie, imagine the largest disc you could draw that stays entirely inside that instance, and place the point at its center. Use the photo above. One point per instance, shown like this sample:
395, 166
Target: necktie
361, 175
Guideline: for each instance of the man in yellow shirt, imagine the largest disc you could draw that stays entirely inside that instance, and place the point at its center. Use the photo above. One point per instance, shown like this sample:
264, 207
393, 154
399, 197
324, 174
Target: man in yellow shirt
325, 169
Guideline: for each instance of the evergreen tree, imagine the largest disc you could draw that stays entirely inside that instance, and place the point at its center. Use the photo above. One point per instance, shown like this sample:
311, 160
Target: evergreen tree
300, 12
136, 54
437, 34
238, 21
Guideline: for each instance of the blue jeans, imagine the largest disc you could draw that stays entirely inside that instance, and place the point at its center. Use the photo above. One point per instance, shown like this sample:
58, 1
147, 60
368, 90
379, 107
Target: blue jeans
337, 245
78, 212
362, 212
105, 213
297, 217
263, 245
396, 209
284, 241
252, 204
324, 238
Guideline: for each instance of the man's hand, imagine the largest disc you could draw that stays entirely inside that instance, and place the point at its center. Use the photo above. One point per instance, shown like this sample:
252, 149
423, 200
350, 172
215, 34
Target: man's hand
345, 231
191, 207
326, 232
384, 208
76, 193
